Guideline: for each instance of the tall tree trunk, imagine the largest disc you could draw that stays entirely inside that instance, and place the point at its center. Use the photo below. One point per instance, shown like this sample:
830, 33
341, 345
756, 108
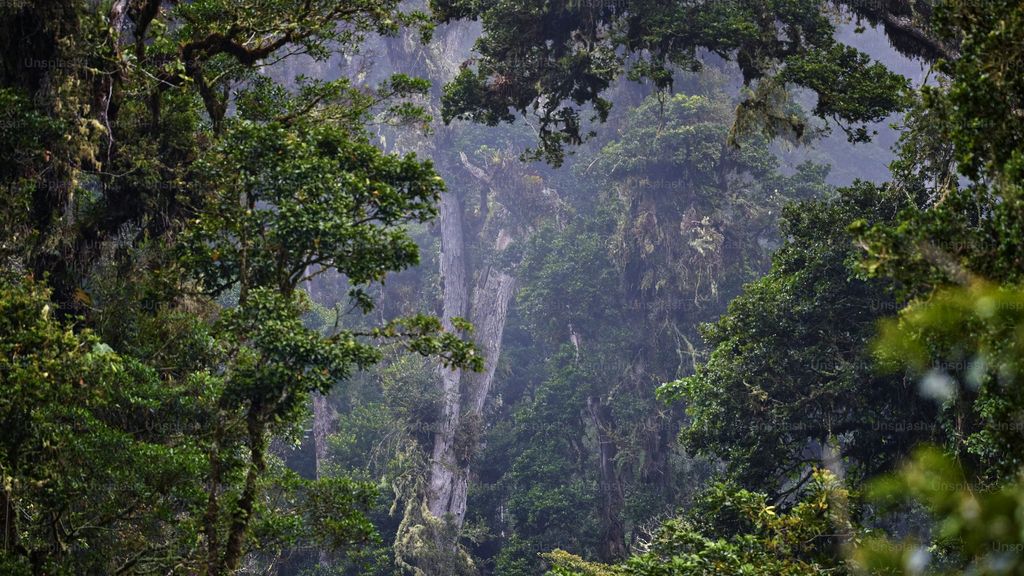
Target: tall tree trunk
47, 31
479, 294
9, 518
443, 465
323, 415
116, 18
491, 300
241, 518
323, 419
464, 394
490, 311
613, 534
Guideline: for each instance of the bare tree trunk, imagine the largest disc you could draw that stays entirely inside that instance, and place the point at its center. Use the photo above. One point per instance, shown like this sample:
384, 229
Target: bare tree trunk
455, 302
464, 394
10, 519
490, 310
613, 534
116, 17
323, 414
483, 293
323, 418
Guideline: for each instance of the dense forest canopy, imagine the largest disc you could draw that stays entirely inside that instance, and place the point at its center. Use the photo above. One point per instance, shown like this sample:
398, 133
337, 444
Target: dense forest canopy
510, 288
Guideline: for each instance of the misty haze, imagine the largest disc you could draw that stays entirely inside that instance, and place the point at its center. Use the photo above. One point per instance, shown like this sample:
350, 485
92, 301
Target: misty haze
512, 287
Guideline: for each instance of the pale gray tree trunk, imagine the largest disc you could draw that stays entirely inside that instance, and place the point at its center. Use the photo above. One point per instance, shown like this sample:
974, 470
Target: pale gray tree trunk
323, 416
490, 311
455, 298
465, 395
613, 534
323, 419
481, 295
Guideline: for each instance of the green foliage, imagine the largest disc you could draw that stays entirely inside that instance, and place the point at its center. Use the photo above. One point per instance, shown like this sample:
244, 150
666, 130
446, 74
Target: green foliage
289, 199
556, 70
611, 293
95, 454
963, 236
162, 340
166, 200
849, 86
980, 107
699, 212
975, 531
791, 367
977, 521
798, 542
965, 345
958, 235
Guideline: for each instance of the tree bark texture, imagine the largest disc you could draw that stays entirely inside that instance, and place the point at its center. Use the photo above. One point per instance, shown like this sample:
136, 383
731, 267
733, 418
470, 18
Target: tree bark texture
613, 533
455, 298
